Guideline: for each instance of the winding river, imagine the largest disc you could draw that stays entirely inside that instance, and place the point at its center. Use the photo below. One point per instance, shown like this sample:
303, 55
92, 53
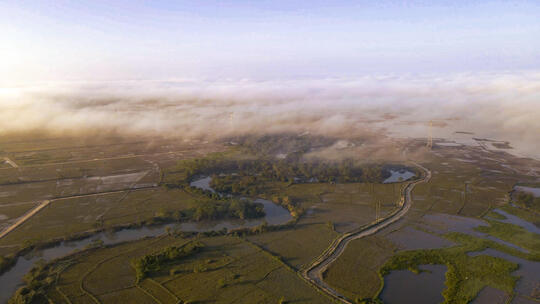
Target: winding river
12, 279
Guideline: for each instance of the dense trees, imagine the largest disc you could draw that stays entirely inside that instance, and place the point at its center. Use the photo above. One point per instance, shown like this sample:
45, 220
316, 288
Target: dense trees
234, 208
248, 171
6, 263
157, 261
210, 209
38, 281
527, 200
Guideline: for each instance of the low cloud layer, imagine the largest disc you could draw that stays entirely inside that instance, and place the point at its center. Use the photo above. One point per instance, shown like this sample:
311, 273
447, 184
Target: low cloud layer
500, 106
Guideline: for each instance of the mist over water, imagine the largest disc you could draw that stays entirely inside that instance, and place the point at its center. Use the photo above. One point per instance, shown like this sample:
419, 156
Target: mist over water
501, 106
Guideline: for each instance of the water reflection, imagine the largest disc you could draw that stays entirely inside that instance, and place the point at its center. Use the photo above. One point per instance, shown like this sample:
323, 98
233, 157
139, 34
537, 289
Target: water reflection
403, 286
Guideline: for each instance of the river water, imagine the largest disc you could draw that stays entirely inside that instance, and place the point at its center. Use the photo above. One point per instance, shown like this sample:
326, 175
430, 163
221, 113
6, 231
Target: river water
12, 279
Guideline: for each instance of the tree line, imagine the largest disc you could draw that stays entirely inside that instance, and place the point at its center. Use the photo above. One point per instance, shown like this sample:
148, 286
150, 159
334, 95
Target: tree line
155, 262
285, 170
210, 209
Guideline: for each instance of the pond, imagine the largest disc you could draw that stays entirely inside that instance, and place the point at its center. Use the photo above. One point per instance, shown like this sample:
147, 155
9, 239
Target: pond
444, 223
532, 190
12, 279
202, 183
409, 238
399, 176
404, 286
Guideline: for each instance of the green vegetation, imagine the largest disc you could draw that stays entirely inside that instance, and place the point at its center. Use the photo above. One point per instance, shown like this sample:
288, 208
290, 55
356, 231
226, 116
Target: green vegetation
355, 273
6, 263
236, 208
208, 209
228, 269
147, 264
245, 175
325, 197
514, 234
38, 281
532, 217
527, 200
466, 275
496, 215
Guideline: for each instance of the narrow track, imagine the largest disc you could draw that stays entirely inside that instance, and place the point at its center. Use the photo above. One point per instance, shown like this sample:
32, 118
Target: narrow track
24, 218
10, 162
45, 203
93, 160
314, 272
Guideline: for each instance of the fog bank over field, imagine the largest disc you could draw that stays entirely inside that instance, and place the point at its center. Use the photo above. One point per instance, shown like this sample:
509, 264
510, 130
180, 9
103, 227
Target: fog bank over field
499, 106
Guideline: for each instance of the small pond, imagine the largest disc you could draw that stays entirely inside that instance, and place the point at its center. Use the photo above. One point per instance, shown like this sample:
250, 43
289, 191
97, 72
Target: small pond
409, 238
532, 190
399, 176
404, 286
202, 183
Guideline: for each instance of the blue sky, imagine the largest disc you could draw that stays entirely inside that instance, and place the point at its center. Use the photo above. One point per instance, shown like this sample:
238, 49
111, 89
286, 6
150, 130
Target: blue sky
118, 40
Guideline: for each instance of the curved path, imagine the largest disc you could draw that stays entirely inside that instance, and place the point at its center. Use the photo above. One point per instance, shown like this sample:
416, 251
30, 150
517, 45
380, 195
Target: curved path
313, 273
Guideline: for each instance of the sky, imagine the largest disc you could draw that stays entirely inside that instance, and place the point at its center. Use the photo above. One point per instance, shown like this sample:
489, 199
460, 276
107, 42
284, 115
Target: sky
262, 40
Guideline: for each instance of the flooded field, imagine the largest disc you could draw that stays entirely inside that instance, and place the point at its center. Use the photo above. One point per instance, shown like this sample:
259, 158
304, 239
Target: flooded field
490, 295
409, 238
442, 223
404, 286
528, 271
512, 219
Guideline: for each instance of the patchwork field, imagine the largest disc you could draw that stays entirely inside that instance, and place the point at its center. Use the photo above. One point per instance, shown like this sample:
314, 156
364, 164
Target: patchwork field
465, 186
102, 184
225, 270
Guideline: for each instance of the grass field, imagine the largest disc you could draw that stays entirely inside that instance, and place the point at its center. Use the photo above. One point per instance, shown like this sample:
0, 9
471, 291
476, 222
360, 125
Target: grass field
262, 267
356, 273
465, 183
226, 270
73, 216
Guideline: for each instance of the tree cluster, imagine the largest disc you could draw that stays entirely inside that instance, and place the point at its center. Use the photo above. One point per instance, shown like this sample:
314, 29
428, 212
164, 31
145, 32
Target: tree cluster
155, 262
234, 208
209, 209
527, 200
6, 263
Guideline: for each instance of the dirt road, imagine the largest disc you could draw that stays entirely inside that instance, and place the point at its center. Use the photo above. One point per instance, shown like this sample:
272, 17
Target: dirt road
25, 217
45, 203
10, 162
315, 271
